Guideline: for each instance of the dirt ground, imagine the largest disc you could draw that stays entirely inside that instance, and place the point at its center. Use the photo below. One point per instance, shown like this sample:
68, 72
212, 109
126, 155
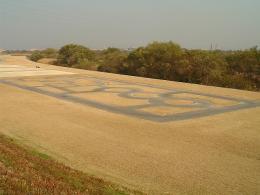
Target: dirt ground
217, 154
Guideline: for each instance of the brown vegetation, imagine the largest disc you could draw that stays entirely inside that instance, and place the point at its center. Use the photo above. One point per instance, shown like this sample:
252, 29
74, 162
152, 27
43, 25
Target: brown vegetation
25, 171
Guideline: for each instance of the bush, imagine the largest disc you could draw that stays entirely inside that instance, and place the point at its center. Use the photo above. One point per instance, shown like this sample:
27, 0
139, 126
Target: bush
167, 60
112, 60
36, 55
74, 54
47, 53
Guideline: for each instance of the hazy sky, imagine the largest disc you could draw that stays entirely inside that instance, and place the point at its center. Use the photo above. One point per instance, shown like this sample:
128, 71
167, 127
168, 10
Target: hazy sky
229, 24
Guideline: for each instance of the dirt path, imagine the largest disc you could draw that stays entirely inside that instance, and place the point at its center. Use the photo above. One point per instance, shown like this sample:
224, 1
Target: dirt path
210, 154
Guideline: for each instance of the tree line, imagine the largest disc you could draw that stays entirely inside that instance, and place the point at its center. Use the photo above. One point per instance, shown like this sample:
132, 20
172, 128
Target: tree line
166, 60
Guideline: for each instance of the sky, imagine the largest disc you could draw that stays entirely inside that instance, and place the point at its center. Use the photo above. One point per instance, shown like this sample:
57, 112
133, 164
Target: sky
97, 24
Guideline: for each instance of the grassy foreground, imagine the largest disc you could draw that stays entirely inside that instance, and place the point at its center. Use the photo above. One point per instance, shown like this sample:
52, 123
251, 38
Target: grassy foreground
25, 171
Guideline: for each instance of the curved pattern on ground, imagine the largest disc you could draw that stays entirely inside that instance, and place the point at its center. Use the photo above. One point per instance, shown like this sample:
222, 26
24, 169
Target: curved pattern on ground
150, 102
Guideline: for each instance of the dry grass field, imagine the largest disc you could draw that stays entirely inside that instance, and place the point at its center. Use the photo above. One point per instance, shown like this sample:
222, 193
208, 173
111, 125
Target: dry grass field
155, 136
26, 171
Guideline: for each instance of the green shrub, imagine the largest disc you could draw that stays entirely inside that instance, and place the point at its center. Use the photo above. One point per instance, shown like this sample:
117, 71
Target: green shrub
74, 54
36, 55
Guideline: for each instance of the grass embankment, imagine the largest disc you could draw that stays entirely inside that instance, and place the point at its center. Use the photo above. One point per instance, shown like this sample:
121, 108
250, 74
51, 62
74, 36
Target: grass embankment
26, 171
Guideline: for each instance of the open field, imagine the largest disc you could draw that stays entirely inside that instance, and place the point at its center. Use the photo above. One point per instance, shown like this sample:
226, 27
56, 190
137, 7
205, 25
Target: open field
157, 136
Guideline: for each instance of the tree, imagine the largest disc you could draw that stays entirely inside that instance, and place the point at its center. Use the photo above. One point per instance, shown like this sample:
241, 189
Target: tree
208, 67
246, 64
50, 53
113, 60
74, 54
46, 53
157, 60
36, 55
167, 60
